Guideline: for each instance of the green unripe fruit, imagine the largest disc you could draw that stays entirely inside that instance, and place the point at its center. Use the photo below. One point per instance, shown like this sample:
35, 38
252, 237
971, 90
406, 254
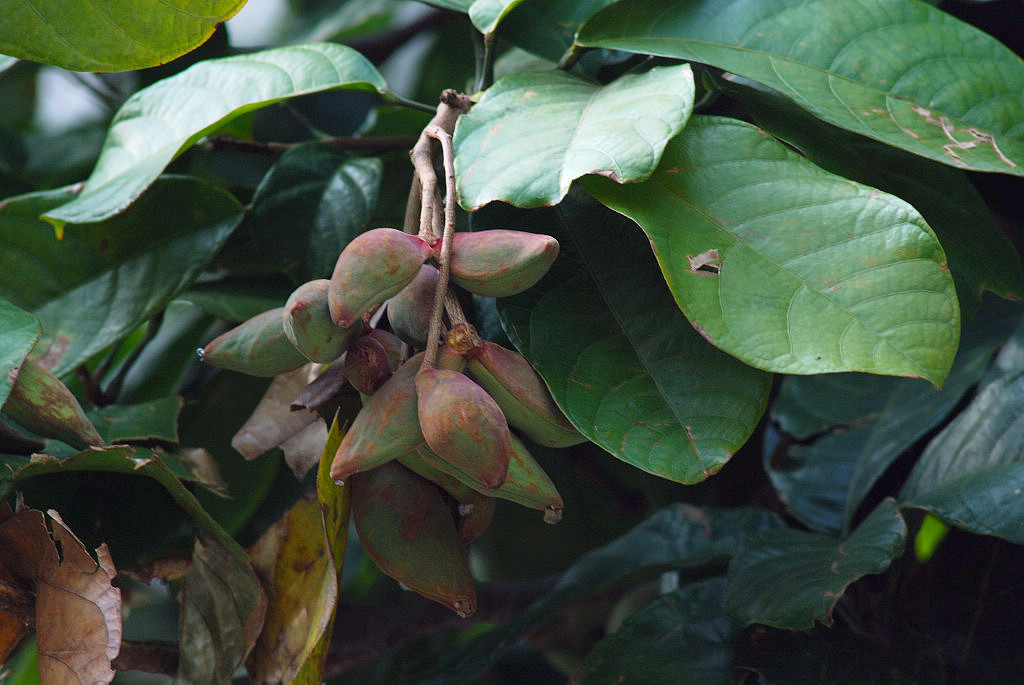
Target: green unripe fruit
39, 402
257, 347
309, 327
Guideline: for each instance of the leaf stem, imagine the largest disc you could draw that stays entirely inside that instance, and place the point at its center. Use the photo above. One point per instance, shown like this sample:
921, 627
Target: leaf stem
485, 64
396, 99
571, 57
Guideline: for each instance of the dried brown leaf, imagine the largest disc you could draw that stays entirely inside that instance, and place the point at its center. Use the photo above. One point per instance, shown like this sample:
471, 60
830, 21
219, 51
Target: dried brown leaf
78, 611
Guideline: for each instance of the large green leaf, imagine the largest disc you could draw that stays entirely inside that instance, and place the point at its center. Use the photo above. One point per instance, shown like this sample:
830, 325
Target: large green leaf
19, 332
157, 420
621, 360
679, 537
109, 36
547, 27
103, 280
309, 205
532, 134
237, 300
852, 427
789, 579
681, 638
971, 475
898, 71
788, 267
157, 123
981, 257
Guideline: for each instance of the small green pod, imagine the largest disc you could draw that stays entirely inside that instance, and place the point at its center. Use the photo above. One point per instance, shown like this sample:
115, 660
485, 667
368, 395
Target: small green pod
385, 428
463, 425
409, 310
257, 347
41, 403
499, 263
309, 327
406, 528
522, 395
529, 485
373, 267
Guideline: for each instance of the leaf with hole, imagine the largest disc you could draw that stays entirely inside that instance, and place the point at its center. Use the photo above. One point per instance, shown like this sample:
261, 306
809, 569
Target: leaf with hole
898, 71
532, 134
159, 122
981, 257
790, 268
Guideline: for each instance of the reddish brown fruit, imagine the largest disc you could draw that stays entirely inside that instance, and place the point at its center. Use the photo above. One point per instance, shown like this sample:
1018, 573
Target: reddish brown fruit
409, 310
371, 359
499, 263
406, 528
373, 267
463, 425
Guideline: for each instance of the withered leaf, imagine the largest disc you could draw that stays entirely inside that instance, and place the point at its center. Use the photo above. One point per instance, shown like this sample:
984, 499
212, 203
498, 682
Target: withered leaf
78, 611
294, 561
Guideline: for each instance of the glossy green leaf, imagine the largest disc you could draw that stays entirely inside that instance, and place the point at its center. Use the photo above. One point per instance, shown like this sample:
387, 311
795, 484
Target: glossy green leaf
981, 257
103, 280
788, 267
532, 134
620, 359
898, 71
6, 62
156, 420
19, 332
453, 5
309, 205
681, 638
109, 36
238, 300
789, 578
678, 537
485, 14
852, 427
157, 123
547, 27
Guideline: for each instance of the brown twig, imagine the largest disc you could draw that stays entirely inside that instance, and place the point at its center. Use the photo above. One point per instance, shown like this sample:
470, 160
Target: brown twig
379, 144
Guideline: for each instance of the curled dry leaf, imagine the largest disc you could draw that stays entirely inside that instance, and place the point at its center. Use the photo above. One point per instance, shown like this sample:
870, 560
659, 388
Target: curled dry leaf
78, 611
274, 423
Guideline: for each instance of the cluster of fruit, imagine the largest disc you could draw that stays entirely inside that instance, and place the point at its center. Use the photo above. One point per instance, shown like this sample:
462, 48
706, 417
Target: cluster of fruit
435, 442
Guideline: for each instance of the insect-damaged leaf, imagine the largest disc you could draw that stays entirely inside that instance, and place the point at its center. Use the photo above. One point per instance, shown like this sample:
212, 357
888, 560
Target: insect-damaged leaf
77, 610
898, 71
815, 273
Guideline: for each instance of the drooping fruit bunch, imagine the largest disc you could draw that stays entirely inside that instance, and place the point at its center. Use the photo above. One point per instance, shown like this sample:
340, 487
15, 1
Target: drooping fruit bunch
437, 440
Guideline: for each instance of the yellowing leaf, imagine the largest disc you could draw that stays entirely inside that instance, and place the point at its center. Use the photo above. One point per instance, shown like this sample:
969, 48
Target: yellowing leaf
294, 562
